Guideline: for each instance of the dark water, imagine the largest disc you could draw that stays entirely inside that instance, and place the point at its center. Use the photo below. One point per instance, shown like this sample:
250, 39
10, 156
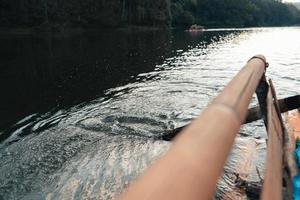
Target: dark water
44, 72
81, 115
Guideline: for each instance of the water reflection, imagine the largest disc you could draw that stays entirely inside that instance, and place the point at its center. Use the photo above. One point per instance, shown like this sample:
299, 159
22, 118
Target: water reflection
126, 97
43, 72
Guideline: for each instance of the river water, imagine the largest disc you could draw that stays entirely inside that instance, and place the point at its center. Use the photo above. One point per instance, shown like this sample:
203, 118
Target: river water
82, 115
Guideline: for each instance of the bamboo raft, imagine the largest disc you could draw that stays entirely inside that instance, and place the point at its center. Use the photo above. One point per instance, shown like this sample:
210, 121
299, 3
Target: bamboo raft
209, 138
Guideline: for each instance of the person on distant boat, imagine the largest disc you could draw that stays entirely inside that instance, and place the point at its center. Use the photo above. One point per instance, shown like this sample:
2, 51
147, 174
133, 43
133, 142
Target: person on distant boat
195, 28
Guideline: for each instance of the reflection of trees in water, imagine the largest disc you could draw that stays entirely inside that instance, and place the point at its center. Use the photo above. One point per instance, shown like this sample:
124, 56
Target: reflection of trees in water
42, 72
45, 72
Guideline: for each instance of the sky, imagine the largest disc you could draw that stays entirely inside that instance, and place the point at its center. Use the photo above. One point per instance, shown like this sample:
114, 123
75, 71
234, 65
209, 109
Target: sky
292, 1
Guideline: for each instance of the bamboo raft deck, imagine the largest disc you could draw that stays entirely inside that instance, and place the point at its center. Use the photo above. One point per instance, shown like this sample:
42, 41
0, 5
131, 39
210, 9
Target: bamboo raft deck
293, 120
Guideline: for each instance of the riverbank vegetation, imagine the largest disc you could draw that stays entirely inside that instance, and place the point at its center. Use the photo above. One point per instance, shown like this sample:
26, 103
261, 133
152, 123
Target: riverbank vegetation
58, 15
234, 13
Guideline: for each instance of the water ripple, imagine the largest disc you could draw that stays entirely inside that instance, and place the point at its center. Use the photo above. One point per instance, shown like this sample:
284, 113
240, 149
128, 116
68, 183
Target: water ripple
94, 149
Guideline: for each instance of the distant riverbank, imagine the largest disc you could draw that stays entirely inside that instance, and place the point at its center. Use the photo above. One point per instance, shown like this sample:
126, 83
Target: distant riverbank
77, 16
128, 29
70, 30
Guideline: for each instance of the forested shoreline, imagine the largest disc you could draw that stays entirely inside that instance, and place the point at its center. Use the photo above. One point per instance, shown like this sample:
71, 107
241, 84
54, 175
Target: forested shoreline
234, 13
57, 15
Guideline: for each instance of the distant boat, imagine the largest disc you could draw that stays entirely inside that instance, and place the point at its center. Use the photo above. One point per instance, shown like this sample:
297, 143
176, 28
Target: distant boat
196, 28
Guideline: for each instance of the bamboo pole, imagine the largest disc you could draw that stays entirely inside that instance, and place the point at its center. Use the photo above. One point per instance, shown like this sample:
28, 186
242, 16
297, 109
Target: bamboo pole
193, 164
286, 104
272, 188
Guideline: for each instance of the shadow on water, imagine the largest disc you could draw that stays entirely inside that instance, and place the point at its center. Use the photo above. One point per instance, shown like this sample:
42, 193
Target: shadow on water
42, 72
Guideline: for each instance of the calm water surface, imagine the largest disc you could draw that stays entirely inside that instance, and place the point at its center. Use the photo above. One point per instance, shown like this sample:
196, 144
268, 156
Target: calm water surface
82, 115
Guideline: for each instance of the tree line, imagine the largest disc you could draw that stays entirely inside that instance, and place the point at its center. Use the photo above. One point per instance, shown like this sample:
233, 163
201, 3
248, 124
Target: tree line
154, 13
236, 13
